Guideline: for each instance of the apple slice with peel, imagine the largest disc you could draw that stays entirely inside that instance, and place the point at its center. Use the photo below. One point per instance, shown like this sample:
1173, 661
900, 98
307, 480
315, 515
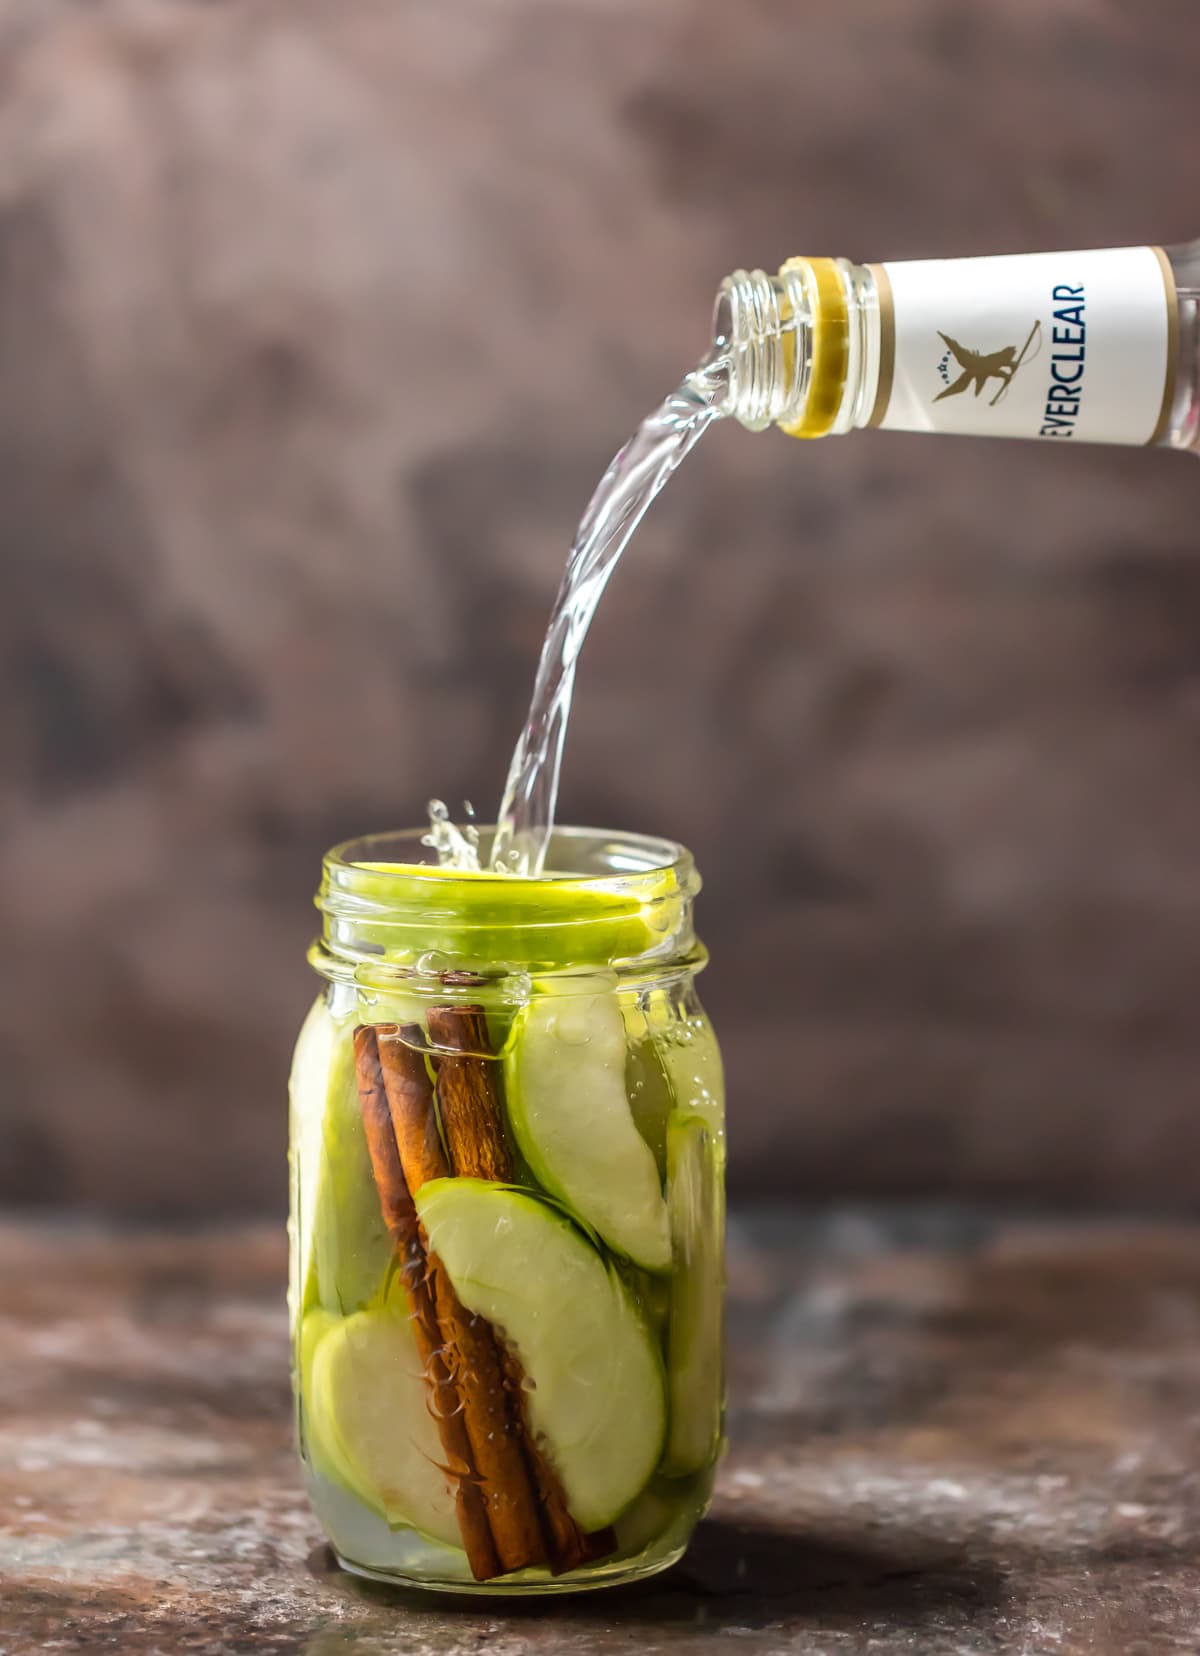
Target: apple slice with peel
318, 1451
368, 1420
341, 1241
595, 1398
313, 1066
565, 1082
650, 1094
483, 916
694, 1325
342, 1245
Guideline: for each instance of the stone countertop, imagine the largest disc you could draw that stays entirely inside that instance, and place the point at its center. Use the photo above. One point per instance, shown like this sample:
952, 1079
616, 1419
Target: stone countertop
949, 1434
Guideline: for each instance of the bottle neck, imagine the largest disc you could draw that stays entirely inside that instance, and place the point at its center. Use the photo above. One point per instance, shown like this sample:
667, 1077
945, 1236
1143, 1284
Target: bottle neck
802, 347
1095, 346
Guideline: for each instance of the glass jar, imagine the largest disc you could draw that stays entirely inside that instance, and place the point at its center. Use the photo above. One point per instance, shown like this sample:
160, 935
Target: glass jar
507, 1217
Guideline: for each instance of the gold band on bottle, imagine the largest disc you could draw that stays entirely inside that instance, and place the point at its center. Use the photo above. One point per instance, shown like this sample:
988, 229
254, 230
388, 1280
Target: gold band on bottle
887, 344
830, 335
1172, 301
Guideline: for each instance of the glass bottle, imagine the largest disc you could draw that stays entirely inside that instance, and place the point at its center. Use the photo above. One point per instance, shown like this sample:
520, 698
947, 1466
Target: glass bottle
507, 1215
1100, 346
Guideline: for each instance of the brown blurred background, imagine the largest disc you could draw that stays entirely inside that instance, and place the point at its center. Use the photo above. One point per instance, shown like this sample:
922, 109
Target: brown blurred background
318, 324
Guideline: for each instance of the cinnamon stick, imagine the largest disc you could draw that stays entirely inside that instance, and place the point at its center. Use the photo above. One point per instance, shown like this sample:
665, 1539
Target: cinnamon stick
468, 1105
410, 1103
400, 1217
472, 1120
471, 1350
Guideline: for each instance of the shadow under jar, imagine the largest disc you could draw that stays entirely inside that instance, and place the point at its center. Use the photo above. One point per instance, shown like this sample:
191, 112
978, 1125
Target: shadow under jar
507, 1191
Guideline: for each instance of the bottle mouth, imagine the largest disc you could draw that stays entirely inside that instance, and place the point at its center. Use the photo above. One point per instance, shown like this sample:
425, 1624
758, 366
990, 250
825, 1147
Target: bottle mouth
610, 900
785, 341
760, 327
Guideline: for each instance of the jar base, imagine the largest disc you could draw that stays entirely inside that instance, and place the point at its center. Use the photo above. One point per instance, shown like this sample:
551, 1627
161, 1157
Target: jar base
620, 1574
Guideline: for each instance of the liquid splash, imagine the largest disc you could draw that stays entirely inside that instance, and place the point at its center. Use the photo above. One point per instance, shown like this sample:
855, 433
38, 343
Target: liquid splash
456, 847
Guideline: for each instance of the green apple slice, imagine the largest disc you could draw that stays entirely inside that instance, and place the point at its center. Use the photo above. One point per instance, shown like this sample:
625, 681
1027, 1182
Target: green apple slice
694, 1357
343, 1248
594, 1374
663, 1516
692, 1060
565, 1080
342, 1242
320, 1451
477, 916
651, 1096
368, 1420
317, 1080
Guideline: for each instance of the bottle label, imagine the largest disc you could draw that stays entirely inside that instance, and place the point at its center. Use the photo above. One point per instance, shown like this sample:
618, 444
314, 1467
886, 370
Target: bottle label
1077, 346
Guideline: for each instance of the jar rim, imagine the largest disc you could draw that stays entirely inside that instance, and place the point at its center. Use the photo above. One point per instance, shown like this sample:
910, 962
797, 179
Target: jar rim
612, 900
658, 856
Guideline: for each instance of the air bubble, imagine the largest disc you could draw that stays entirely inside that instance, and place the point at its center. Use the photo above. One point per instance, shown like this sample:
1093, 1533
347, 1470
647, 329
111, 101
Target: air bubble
518, 987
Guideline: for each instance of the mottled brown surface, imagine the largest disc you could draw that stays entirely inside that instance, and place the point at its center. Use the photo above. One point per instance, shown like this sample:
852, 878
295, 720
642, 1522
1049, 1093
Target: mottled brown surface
948, 1435
318, 323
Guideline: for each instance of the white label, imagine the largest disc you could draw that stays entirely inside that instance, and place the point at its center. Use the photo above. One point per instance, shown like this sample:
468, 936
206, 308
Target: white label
1056, 345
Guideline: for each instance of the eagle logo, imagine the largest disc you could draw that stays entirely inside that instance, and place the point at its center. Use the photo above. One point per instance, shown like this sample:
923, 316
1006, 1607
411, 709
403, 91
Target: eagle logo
978, 367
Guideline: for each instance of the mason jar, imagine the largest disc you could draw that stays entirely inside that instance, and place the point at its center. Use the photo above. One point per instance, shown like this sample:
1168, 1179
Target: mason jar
507, 1217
